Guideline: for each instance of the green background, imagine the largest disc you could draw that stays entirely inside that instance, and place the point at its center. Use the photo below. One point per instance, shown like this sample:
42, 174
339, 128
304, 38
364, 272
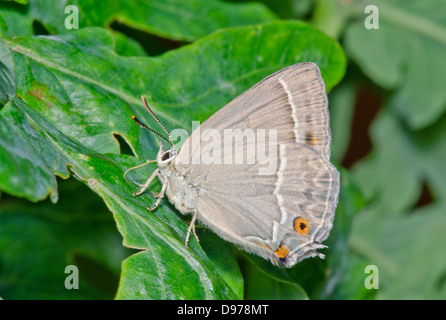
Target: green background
66, 138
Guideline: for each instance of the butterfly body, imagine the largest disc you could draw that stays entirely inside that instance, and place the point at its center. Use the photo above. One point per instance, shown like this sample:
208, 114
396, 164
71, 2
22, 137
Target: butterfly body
181, 192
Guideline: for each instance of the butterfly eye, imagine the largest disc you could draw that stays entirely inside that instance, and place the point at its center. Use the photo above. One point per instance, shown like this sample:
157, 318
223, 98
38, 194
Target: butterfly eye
166, 156
302, 226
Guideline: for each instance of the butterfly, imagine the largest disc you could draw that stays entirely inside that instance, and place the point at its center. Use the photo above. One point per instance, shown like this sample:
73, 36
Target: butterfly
282, 214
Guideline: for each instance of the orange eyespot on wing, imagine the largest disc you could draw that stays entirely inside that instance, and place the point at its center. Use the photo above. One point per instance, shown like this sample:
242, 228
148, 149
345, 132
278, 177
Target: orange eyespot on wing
310, 139
302, 226
282, 251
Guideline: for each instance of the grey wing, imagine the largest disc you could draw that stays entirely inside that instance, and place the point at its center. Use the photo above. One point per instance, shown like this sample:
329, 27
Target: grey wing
293, 101
259, 211
263, 213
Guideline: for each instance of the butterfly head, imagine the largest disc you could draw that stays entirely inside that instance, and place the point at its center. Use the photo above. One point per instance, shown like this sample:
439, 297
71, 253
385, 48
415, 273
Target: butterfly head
164, 158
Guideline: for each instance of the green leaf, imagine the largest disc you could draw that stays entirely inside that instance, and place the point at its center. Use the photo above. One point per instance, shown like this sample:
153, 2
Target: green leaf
341, 105
416, 158
409, 251
406, 53
394, 236
28, 163
38, 241
164, 19
331, 16
19, 1
74, 93
221, 254
14, 20
259, 285
126, 46
172, 19
7, 79
286, 9
399, 168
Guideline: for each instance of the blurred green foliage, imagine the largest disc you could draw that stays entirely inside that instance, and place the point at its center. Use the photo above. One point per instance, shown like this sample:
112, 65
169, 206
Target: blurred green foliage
66, 99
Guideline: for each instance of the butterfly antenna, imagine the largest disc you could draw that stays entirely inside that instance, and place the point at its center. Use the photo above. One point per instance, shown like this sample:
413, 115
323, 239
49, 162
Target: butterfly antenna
157, 120
142, 125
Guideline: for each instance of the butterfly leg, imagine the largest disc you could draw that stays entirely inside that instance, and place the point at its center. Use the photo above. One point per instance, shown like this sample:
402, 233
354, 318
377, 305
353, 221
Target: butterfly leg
136, 167
156, 194
191, 228
144, 187
159, 196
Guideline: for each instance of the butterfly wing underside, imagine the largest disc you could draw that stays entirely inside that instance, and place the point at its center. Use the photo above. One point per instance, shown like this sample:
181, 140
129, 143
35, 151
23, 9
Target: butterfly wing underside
284, 215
